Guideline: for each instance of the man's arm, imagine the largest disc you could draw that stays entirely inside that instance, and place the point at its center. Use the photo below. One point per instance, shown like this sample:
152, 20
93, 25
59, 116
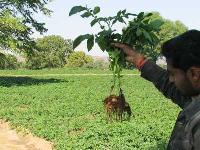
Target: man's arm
153, 73
160, 78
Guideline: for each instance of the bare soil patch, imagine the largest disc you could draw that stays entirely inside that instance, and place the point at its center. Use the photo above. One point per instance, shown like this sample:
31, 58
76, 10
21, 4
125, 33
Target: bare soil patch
11, 140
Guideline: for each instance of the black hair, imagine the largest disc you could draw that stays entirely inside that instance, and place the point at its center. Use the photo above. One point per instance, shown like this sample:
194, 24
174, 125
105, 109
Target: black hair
183, 51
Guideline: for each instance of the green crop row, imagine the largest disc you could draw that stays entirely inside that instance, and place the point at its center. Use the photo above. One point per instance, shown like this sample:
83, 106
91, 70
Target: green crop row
68, 111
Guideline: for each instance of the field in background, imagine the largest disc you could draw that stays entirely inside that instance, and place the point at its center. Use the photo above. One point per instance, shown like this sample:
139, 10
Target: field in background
68, 110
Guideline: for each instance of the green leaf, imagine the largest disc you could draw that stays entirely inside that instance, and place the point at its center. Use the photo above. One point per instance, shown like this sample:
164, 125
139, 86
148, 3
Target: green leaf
90, 42
138, 32
130, 14
149, 14
76, 9
154, 38
119, 13
126, 16
86, 15
155, 24
146, 21
96, 10
101, 41
79, 39
102, 19
120, 19
124, 11
140, 15
114, 21
116, 36
147, 36
94, 22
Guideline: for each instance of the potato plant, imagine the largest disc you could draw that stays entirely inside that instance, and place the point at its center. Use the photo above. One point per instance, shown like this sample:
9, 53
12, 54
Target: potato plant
139, 32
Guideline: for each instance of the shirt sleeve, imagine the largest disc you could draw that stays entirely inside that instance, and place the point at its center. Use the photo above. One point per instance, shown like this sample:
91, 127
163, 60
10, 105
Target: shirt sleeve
196, 139
160, 78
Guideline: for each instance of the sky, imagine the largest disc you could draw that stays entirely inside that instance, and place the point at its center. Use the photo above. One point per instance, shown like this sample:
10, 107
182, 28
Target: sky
69, 27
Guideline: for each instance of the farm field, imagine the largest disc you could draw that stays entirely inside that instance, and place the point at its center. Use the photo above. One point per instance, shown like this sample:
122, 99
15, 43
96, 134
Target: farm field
68, 110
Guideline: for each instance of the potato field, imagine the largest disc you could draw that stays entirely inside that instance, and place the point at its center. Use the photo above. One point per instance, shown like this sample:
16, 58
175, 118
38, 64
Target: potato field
68, 109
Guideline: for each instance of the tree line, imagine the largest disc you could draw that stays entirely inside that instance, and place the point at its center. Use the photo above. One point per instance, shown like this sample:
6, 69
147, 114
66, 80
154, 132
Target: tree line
50, 52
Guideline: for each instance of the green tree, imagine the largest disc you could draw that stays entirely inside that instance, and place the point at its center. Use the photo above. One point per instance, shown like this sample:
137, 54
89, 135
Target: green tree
2, 61
51, 52
8, 61
79, 59
17, 23
168, 30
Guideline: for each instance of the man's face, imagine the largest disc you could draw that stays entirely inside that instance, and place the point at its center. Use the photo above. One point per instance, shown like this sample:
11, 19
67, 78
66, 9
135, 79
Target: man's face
182, 80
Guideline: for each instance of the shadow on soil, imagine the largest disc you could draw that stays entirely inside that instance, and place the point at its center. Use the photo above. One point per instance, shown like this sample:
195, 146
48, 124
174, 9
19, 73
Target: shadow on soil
26, 81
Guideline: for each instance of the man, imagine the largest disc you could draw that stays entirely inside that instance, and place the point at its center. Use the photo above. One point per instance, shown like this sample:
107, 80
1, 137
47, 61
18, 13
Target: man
180, 82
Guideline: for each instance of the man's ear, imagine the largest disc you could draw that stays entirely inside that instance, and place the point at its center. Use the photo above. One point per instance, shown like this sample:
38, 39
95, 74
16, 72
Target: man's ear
194, 73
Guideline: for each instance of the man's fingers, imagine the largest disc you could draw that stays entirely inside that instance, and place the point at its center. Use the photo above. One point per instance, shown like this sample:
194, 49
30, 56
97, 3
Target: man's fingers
119, 45
125, 48
129, 59
131, 53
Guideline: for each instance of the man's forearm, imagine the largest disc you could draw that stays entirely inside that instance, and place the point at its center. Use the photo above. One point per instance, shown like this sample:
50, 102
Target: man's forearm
159, 77
152, 72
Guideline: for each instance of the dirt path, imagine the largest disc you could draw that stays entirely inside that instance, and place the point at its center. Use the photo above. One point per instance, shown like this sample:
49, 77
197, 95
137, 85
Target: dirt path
11, 140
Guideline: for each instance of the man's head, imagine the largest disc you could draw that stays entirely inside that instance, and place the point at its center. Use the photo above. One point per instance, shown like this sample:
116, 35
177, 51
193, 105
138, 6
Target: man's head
183, 60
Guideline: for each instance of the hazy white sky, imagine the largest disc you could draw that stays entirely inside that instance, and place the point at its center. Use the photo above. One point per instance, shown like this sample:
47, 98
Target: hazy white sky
70, 27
